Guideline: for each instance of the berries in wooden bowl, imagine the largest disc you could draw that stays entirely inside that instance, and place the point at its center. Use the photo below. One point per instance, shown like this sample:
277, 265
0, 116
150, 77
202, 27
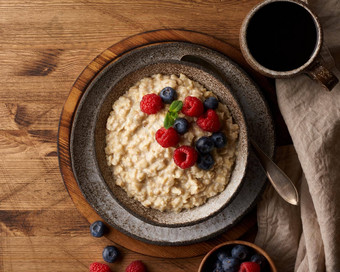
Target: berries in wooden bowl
237, 256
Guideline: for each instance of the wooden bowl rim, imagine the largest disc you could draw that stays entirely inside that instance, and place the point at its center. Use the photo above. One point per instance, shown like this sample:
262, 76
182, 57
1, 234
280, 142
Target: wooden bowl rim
114, 52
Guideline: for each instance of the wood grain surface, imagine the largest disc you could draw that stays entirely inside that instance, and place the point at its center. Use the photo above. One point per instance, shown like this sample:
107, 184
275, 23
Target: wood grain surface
44, 46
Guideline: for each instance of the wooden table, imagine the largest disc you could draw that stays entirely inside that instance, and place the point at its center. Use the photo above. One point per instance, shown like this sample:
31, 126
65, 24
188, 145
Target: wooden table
44, 46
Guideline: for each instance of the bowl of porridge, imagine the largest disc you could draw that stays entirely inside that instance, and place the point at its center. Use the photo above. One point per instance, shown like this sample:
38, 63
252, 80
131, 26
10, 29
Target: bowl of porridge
143, 175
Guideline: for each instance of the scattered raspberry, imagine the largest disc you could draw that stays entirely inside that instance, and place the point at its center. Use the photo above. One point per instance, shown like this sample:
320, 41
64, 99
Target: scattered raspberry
99, 267
192, 106
136, 266
167, 137
209, 121
151, 103
250, 267
185, 156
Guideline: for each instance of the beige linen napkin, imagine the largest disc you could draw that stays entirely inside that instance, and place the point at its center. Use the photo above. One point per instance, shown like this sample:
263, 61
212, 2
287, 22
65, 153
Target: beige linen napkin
307, 237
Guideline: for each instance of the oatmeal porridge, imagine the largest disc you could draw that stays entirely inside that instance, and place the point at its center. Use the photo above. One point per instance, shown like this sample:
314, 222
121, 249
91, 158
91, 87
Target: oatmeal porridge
146, 170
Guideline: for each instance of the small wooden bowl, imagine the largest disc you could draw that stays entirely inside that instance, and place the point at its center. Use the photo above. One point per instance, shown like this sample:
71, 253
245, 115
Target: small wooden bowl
211, 254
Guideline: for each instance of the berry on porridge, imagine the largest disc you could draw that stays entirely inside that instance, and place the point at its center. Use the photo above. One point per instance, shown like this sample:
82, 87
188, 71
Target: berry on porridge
192, 106
154, 156
219, 139
151, 103
204, 145
209, 121
211, 103
168, 95
205, 161
185, 156
167, 137
181, 125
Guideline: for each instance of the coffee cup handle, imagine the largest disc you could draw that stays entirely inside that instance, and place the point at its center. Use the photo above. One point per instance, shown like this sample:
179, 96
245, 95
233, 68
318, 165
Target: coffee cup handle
320, 73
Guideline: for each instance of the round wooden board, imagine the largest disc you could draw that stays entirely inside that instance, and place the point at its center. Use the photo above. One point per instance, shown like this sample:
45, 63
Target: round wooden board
70, 106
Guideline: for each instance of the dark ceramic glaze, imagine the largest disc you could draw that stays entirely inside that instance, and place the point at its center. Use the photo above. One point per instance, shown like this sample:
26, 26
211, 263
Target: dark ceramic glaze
87, 136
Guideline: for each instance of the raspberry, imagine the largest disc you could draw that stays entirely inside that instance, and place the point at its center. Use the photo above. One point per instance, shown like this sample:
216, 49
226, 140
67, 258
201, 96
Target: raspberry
136, 266
192, 106
151, 103
209, 121
167, 137
250, 267
185, 156
99, 267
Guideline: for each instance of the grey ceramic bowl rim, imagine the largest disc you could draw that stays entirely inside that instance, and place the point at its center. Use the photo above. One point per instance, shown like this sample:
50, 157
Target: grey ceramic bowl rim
270, 137
259, 67
246, 150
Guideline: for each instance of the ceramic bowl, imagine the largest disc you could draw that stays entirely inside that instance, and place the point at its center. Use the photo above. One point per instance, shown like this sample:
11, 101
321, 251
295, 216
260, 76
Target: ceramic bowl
207, 264
214, 204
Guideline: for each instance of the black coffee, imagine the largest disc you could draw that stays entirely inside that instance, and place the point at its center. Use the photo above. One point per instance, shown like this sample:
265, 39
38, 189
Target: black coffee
282, 36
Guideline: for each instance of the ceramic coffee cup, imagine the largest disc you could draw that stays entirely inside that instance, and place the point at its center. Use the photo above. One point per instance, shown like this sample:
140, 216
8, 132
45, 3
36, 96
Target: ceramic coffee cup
283, 38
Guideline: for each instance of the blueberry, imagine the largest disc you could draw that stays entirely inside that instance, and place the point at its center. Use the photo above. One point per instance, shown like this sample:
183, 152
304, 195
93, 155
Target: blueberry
168, 95
204, 145
260, 259
181, 125
219, 139
205, 161
97, 229
241, 252
231, 264
221, 255
110, 254
210, 103
218, 266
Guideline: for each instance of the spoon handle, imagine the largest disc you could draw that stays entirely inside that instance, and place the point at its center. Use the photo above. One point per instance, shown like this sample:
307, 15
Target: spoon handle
283, 185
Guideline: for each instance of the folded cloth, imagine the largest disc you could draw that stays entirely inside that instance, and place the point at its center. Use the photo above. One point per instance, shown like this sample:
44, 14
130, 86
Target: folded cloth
307, 237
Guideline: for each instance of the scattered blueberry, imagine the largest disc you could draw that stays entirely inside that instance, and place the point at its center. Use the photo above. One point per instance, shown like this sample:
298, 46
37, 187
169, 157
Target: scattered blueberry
219, 139
168, 95
110, 254
260, 259
205, 161
231, 264
221, 255
210, 103
181, 125
97, 229
204, 145
241, 252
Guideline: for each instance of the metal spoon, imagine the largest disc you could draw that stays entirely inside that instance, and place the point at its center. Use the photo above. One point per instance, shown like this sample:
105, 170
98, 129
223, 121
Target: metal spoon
281, 183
